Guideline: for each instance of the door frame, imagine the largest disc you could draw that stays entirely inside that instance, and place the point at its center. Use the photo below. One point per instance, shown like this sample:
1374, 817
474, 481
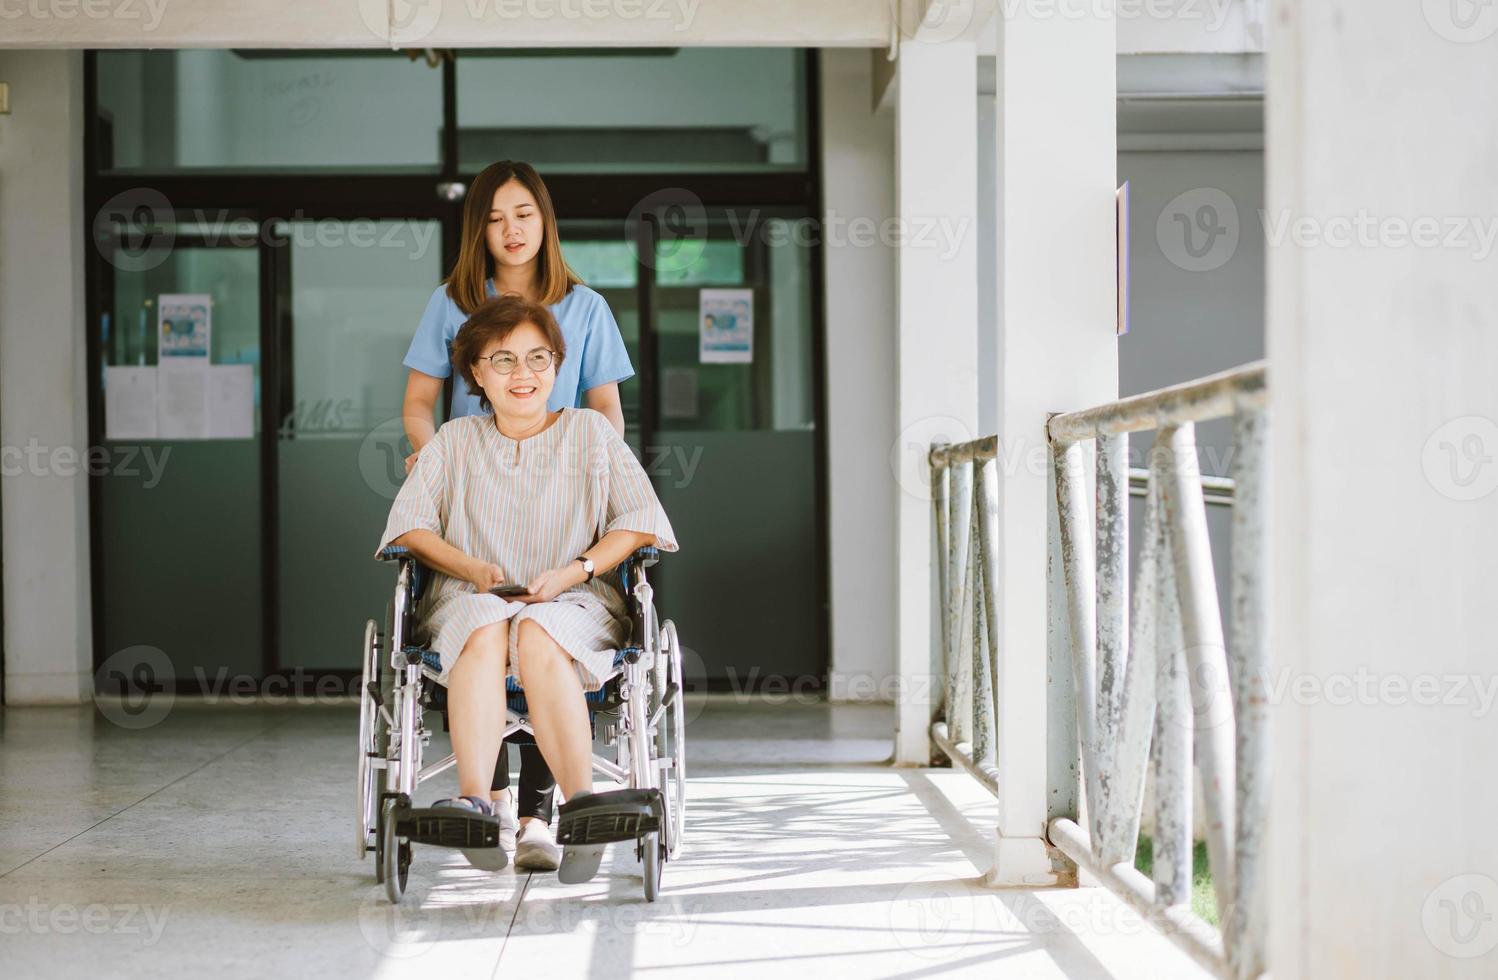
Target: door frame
414, 196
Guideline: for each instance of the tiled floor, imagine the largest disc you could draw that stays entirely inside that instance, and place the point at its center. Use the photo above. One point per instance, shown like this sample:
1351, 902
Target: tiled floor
219, 842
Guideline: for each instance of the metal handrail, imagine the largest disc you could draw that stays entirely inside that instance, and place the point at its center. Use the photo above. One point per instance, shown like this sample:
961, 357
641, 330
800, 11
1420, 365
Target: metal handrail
962, 490
1154, 682
1215, 396
1215, 489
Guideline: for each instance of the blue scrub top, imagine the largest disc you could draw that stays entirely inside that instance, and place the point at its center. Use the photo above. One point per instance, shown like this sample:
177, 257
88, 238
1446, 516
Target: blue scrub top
595, 348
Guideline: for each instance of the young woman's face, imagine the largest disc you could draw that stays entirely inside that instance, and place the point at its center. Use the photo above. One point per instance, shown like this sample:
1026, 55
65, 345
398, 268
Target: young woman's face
515, 232
524, 390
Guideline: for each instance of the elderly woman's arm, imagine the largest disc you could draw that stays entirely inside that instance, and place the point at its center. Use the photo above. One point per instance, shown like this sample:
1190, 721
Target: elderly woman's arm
610, 550
429, 547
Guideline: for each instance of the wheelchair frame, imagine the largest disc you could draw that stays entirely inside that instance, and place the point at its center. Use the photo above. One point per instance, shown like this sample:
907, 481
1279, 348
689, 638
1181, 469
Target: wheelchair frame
644, 696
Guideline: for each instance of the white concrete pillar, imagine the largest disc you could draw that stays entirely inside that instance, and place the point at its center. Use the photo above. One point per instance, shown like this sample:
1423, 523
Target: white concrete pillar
858, 282
936, 298
43, 406
1382, 217
1057, 351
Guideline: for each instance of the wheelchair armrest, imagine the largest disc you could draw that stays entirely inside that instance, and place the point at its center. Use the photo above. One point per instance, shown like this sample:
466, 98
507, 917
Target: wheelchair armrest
629, 569
420, 574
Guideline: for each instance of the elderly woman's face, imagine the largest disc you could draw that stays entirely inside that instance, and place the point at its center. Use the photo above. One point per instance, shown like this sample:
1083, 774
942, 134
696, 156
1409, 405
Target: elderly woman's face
524, 390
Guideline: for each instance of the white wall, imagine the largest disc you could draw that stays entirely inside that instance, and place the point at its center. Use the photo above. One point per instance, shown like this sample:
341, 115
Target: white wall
47, 639
1383, 450
858, 181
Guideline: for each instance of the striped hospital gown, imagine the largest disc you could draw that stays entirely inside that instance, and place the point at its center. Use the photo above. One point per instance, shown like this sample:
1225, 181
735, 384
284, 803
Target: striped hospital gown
528, 506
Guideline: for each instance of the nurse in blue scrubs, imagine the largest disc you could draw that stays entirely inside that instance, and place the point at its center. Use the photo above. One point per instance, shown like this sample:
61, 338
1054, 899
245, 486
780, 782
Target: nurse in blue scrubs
510, 245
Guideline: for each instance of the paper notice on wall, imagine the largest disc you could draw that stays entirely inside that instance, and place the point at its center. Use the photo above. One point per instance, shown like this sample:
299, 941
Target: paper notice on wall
726, 326
184, 325
129, 402
231, 401
679, 393
181, 402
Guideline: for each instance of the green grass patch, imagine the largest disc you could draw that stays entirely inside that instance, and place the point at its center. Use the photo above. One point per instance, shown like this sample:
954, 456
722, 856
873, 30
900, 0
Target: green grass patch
1203, 900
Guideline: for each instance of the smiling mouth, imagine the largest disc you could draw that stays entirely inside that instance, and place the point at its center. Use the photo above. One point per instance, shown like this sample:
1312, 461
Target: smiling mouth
523, 391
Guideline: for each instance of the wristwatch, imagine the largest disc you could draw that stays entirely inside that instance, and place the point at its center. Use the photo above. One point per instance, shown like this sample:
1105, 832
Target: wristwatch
587, 566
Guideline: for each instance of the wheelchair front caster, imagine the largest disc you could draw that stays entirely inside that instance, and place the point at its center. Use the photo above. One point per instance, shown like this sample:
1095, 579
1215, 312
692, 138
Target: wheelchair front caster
395, 854
652, 861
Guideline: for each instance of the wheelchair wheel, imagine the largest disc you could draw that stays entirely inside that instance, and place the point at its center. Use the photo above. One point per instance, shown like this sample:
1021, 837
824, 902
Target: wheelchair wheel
671, 744
395, 855
369, 740
652, 860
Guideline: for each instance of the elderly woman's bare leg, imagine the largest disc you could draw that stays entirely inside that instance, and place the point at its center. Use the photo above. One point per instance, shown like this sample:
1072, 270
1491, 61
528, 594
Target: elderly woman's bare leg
558, 713
476, 706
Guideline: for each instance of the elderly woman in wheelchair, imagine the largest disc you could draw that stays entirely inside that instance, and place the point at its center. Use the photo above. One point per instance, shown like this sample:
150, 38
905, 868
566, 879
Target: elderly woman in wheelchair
533, 528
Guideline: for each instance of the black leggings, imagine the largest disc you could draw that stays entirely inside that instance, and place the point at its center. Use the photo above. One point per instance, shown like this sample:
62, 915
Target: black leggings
537, 784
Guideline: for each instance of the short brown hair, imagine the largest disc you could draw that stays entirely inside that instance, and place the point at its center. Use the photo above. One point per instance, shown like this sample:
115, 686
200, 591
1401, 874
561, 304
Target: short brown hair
492, 322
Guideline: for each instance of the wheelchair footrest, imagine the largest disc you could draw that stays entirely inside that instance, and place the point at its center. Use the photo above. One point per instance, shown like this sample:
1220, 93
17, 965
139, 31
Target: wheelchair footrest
602, 818
447, 827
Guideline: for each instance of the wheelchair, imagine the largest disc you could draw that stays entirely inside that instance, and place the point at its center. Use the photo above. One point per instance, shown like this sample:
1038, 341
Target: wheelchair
641, 705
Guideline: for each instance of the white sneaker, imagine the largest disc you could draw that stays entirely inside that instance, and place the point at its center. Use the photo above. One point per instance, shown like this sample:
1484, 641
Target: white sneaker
504, 809
535, 850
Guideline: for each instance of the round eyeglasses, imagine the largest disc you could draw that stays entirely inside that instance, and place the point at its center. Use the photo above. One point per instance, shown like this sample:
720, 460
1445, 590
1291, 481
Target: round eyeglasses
504, 361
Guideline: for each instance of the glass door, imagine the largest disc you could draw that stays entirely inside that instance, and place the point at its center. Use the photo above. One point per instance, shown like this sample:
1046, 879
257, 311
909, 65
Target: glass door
734, 451
605, 261
349, 296
178, 488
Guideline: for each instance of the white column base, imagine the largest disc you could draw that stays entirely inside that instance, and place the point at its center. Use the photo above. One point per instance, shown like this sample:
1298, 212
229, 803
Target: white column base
48, 689
1026, 862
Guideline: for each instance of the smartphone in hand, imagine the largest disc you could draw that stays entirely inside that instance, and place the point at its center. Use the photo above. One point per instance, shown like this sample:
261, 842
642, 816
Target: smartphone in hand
509, 591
